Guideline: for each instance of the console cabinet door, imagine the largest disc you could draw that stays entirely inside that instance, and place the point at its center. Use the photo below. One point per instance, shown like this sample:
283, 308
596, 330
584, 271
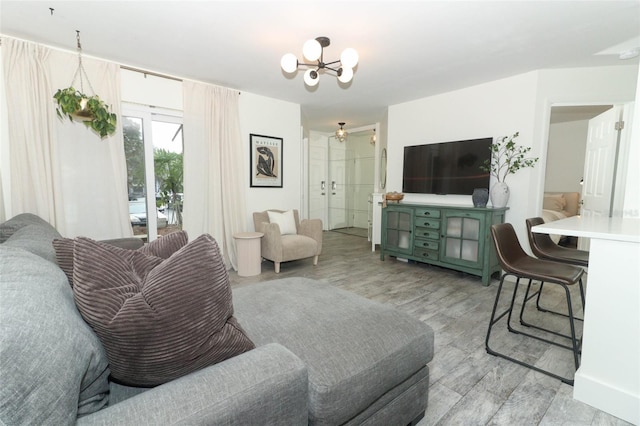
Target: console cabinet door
397, 230
463, 238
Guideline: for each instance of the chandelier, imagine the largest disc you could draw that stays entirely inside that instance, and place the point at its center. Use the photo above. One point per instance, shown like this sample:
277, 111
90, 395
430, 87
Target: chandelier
313, 51
341, 134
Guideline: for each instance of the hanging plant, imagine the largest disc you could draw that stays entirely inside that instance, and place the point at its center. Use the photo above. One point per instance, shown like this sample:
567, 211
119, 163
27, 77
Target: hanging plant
76, 105
89, 109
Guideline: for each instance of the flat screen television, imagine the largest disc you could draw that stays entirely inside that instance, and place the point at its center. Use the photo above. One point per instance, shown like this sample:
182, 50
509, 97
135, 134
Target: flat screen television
447, 167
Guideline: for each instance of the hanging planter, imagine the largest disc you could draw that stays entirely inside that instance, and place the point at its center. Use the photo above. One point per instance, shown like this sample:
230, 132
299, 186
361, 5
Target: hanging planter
89, 109
78, 106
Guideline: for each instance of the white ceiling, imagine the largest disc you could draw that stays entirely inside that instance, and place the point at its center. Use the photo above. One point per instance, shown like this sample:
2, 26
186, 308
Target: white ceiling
408, 49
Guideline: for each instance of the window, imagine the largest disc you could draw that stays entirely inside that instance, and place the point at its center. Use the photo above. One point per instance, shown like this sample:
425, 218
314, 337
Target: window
153, 149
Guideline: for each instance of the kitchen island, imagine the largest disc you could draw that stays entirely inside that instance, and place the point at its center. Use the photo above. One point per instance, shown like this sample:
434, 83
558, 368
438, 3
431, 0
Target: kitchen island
609, 374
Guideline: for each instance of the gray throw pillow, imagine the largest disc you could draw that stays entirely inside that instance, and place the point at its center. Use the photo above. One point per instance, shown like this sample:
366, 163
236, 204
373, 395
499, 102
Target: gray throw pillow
158, 319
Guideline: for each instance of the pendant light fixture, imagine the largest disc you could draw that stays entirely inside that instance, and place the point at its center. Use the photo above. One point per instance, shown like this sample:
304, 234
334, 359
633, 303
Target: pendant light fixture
341, 134
373, 138
313, 51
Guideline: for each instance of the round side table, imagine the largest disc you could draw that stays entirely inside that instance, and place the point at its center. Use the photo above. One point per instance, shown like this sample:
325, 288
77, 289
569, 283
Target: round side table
249, 253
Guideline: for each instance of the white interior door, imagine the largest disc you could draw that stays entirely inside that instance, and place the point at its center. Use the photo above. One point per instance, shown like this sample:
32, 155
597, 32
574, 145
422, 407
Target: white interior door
600, 166
319, 186
600, 162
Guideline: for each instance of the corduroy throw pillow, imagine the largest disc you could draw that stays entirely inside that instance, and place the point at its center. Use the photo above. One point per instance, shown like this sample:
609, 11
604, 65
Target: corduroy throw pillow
158, 319
162, 247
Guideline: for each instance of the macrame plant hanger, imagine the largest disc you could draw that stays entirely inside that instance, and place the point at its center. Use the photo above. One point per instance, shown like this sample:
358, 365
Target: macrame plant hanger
86, 107
81, 74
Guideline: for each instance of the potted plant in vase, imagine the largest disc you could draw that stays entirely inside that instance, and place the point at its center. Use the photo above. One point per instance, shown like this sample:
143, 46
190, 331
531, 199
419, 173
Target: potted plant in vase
506, 158
89, 109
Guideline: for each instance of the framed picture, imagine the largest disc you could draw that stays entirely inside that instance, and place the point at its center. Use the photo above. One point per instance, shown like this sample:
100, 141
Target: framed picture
266, 161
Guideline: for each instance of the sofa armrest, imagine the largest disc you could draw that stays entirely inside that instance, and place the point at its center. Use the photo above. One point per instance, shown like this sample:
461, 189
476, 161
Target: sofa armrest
271, 243
131, 243
312, 228
267, 385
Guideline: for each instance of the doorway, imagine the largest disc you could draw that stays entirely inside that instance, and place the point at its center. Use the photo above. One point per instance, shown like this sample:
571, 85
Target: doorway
341, 179
566, 147
578, 164
351, 177
566, 153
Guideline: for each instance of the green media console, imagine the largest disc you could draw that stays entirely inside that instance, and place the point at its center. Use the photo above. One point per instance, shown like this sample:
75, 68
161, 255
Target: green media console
453, 237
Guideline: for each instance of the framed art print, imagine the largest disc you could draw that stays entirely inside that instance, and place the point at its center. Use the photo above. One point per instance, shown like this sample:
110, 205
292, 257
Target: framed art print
266, 161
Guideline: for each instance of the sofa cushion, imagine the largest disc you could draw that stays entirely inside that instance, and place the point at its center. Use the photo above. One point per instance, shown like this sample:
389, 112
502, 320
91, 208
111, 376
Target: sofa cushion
30, 232
356, 350
158, 319
8, 228
35, 239
53, 368
162, 247
285, 221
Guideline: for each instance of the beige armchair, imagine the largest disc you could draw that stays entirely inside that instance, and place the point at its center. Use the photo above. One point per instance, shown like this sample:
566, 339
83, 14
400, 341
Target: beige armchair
306, 242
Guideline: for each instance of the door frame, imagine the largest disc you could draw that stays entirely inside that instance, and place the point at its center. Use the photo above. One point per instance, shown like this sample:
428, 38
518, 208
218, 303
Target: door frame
306, 192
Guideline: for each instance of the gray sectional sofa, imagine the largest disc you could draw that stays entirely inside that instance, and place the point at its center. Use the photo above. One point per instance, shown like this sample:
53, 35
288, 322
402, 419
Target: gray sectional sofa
323, 356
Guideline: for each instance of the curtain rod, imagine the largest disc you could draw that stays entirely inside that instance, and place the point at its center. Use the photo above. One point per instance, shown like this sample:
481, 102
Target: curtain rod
155, 74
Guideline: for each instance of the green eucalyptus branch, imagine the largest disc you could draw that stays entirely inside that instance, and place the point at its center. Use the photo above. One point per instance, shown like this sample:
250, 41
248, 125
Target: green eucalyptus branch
507, 158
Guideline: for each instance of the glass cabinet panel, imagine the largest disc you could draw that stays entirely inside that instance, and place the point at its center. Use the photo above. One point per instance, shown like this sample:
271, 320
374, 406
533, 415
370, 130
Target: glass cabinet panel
471, 229
454, 227
399, 226
469, 250
462, 238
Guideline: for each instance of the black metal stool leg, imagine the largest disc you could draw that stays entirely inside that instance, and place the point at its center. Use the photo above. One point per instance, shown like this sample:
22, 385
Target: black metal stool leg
543, 309
495, 319
574, 341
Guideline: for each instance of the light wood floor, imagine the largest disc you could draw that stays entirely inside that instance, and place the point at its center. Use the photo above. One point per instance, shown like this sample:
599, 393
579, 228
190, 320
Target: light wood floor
468, 386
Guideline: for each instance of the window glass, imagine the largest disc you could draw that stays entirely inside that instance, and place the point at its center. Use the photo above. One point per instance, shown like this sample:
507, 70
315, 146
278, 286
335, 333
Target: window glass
153, 149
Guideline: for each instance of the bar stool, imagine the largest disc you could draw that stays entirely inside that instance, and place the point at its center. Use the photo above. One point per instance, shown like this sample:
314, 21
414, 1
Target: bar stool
543, 247
517, 263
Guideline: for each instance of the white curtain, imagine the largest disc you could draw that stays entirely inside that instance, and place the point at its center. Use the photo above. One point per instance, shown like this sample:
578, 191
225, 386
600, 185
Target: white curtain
62, 170
214, 200
30, 119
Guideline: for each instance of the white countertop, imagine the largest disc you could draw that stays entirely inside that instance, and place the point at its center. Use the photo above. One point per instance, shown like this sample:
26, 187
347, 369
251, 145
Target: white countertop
604, 228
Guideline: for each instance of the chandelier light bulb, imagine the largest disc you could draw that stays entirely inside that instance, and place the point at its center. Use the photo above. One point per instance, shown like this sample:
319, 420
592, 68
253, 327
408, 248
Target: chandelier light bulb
311, 78
346, 75
289, 63
312, 50
349, 58
315, 63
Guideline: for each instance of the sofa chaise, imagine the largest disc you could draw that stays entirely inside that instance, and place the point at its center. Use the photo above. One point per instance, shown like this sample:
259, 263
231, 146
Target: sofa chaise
323, 356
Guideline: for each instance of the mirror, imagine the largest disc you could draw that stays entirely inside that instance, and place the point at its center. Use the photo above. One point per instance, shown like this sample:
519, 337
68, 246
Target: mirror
383, 168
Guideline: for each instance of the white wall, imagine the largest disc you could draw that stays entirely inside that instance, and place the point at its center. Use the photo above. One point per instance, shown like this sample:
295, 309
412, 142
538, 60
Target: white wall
493, 109
272, 117
565, 156
520, 103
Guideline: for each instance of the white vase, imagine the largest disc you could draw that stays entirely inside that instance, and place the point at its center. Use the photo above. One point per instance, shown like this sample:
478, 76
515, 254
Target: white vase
499, 194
